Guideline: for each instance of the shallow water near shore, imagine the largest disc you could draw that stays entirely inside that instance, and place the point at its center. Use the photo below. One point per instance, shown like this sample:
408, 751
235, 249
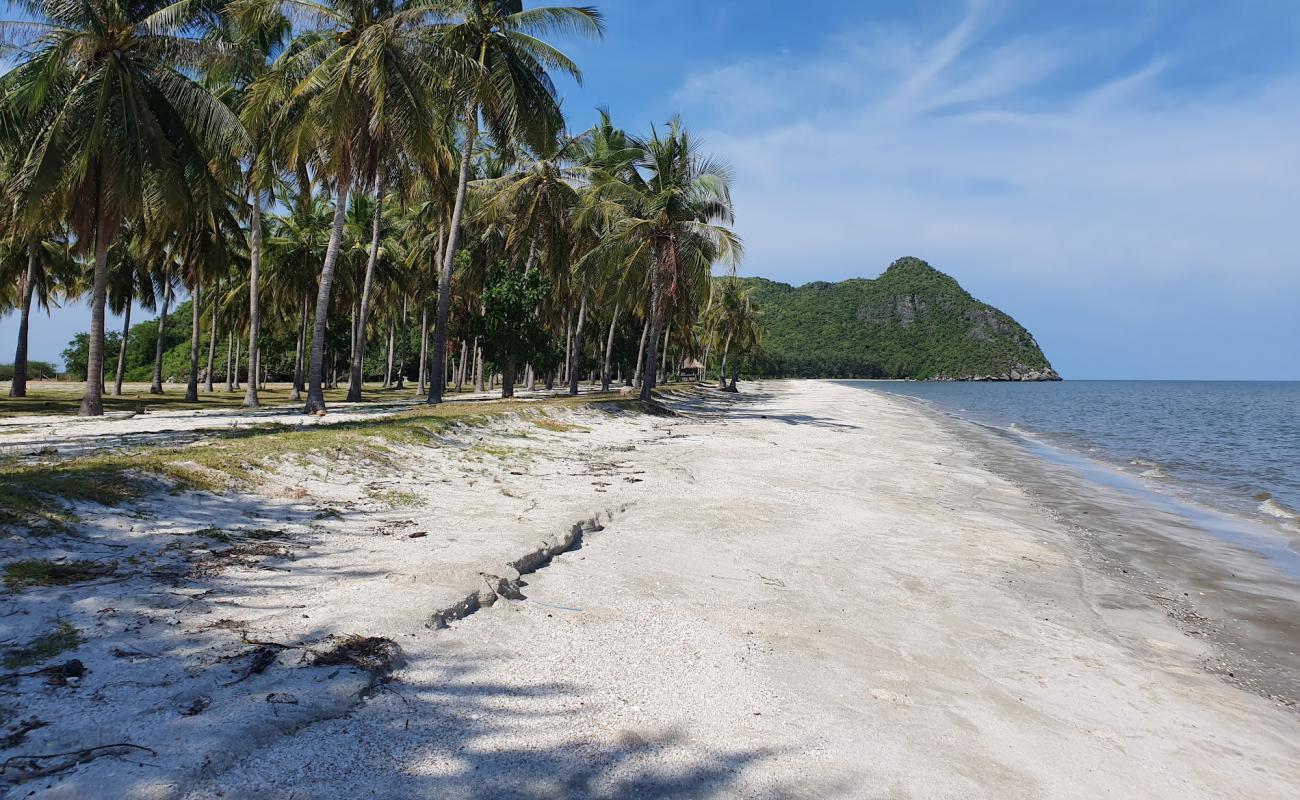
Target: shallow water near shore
1229, 445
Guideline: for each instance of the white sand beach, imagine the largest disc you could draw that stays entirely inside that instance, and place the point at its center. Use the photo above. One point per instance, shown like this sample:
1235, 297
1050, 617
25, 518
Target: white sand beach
802, 591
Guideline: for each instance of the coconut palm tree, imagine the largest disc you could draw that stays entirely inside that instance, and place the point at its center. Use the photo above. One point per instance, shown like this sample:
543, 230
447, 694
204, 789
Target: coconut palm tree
114, 127
515, 99
294, 249
370, 72
43, 269
259, 93
130, 281
674, 208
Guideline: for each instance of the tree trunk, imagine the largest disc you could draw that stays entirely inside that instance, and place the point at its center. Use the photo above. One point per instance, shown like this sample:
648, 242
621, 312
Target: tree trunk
18, 386
388, 360
664, 363
230, 361
508, 377
530, 378
212, 336
722, 369
609, 351
640, 354
568, 345
92, 403
239, 349
575, 367
478, 367
196, 317
449, 256
121, 353
406, 338
156, 386
254, 312
299, 350
648, 376
424, 347
316, 394
460, 376
355, 374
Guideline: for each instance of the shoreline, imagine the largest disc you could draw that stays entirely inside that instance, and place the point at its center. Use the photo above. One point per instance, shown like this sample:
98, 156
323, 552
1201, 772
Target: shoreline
1260, 509
802, 590
1202, 565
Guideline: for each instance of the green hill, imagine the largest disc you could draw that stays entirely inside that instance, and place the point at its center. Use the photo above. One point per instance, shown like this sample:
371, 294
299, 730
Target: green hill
911, 322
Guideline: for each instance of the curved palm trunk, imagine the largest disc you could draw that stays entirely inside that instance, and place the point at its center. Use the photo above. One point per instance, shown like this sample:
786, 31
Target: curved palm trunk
640, 353
192, 386
464, 365
355, 373
121, 353
254, 312
315, 394
92, 403
18, 386
438, 371
301, 348
212, 338
575, 367
609, 350
156, 386
722, 370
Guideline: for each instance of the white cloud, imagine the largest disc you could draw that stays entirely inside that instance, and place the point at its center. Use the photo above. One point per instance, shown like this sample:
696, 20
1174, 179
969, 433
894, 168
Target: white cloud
992, 155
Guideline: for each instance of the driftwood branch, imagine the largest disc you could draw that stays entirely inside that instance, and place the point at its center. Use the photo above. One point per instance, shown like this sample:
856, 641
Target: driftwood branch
29, 767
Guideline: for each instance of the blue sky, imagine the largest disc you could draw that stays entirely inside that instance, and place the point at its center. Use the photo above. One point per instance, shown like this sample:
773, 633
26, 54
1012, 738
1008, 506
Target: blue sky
1122, 177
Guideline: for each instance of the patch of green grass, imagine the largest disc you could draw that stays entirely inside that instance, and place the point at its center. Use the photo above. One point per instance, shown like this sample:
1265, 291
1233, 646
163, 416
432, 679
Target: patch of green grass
503, 452
213, 533
397, 498
38, 572
557, 426
43, 648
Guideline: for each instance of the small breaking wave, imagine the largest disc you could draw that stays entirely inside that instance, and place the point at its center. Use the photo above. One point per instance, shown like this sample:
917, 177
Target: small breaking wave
1151, 469
1275, 509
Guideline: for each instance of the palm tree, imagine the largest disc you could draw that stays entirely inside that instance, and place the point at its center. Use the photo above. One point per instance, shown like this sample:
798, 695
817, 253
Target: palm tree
129, 281
43, 268
514, 97
115, 128
673, 209
369, 72
294, 249
259, 93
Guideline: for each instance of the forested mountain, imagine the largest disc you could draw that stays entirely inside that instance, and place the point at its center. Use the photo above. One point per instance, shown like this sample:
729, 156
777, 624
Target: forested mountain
911, 322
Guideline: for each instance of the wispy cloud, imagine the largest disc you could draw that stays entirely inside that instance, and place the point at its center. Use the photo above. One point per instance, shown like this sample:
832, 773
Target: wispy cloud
1004, 154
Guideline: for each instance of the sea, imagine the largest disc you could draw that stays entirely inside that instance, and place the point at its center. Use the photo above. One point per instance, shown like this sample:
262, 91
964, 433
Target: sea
1233, 446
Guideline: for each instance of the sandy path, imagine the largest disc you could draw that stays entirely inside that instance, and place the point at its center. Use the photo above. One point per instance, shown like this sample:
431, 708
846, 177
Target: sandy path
819, 595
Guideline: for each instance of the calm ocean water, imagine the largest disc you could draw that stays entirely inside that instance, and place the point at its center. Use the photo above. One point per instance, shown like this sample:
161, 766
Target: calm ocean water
1227, 444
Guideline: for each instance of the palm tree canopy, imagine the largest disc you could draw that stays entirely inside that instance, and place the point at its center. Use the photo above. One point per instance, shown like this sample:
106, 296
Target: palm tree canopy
111, 122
